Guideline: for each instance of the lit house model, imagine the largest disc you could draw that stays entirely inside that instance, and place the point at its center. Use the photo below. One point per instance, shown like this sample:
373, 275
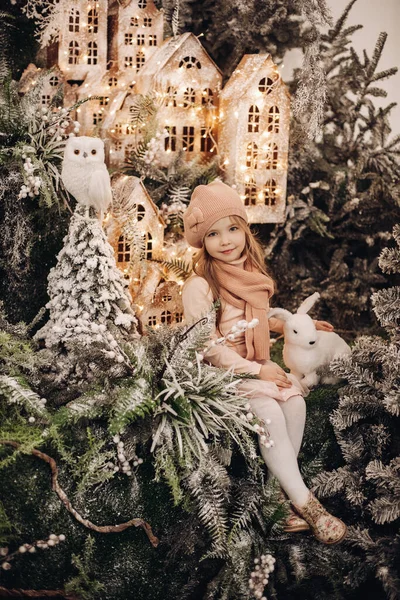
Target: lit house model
253, 136
188, 83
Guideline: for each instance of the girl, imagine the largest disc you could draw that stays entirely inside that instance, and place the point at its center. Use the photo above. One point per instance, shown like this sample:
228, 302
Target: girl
229, 266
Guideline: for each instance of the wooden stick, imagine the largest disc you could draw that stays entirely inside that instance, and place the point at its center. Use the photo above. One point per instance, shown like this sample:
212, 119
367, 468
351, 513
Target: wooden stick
64, 499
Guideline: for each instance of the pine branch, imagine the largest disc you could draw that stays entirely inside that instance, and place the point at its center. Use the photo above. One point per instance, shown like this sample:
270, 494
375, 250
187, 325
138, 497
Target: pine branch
64, 499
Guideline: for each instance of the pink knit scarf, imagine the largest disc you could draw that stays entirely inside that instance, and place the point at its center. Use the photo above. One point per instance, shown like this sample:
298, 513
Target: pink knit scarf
250, 290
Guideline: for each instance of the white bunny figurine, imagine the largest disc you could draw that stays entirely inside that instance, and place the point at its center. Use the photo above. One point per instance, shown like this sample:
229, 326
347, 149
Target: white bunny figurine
306, 349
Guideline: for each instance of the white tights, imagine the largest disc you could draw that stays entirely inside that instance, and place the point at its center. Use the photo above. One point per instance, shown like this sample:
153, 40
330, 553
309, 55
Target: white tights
286, 429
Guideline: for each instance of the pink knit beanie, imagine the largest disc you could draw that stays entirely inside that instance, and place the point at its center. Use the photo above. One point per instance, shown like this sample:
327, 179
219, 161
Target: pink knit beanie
208, 204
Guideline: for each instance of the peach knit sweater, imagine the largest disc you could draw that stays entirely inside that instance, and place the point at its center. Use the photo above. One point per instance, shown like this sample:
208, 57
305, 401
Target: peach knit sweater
197, 299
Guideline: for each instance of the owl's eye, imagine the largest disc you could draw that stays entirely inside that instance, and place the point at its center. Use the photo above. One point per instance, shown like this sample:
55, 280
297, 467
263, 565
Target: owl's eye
76, 151
94, 151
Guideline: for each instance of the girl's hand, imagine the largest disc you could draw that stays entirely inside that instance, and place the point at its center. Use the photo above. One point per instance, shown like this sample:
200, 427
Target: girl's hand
323, 326
272, 372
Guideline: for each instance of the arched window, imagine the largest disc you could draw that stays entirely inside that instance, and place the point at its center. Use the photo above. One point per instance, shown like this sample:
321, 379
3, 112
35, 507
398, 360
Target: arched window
166, 317
266, 85
124, 249
270, 192
171, 97
273, 119
251, 155
142, 3
207, 98
250, 192
93, 20
189, 97
112, 82
140, 58
92, 53
190, 62
206, 140
140, 212
73, 20
272, 157
73, 53
170, 140
253, 120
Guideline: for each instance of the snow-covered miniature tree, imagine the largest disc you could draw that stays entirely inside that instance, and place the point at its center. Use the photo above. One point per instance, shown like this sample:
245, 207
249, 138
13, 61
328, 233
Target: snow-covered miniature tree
366, 425
88, 300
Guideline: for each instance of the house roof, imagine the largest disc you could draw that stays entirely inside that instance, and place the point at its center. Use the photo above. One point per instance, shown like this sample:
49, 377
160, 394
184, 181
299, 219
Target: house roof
159, 59
249, 69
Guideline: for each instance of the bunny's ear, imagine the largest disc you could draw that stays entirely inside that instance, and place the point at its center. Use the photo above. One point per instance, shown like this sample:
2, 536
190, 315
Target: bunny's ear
308, 304
279, 313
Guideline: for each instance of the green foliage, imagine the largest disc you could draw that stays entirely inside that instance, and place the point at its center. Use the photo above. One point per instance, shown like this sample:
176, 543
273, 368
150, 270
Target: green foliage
84, 585
179, 267
132, 400
5, 526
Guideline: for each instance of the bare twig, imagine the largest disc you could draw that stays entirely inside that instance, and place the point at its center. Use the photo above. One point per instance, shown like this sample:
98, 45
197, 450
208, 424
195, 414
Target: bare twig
64, 499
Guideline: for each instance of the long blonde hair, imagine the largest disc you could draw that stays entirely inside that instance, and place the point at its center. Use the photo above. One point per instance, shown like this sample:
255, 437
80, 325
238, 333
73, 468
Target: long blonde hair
203, 263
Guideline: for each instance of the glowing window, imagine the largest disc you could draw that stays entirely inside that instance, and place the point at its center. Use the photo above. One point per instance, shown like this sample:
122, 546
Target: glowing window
251, 155
124, 250
188, 139
206, 140
93, 21
73, 20
117, 146
128, 151
266, 85
92, 53
166, 317
152, 40
270, 192
104, 100
189, 97
112, 81
207, 98
140, 212
170, 100
273, 119
128, 61
253, 120
128, 38
250, 192
272, 158
73, 53
190, 62
97, 118
170, 140
148, 254
140, 58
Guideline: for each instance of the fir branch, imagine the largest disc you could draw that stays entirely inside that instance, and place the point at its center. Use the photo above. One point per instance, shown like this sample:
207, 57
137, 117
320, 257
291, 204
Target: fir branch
64, 499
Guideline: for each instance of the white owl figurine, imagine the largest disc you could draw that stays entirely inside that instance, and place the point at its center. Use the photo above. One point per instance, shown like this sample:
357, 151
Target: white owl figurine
85, 174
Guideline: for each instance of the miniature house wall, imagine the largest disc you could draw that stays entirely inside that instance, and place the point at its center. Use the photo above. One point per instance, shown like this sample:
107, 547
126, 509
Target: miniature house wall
82, 45
187, 83
135, 229
254, 136
50, 82
165, 307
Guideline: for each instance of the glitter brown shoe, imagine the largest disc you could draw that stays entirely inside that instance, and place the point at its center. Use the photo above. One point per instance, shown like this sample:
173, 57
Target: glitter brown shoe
326, 528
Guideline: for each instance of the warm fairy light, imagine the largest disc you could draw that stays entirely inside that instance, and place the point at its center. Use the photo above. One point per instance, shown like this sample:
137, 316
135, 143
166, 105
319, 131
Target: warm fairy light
260, 195
226, 161
243, 167
236, 114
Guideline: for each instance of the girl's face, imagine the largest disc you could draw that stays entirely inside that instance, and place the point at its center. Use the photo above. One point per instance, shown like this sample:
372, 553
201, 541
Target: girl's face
225, 240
